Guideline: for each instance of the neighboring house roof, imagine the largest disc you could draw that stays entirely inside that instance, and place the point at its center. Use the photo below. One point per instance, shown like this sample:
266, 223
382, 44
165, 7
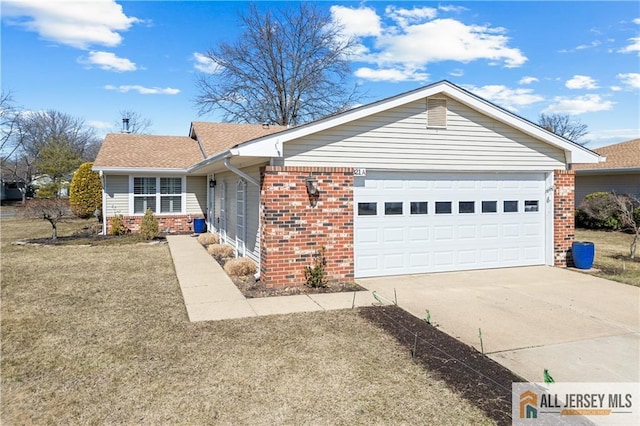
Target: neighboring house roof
621, 156
129, 151
216, 137
271, 146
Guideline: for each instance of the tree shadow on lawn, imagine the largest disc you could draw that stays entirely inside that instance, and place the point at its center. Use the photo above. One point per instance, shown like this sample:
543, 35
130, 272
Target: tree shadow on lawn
475, 377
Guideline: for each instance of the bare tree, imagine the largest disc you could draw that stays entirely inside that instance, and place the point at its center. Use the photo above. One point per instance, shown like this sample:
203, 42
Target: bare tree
52, 210
9, 116
564, 125
137, 124
288, 67
624, 208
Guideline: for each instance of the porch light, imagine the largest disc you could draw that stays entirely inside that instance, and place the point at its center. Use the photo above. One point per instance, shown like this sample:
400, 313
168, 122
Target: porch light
212, 183
312, 186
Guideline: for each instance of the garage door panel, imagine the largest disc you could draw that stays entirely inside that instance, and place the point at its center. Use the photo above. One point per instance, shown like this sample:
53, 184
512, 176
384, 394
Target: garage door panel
473, 235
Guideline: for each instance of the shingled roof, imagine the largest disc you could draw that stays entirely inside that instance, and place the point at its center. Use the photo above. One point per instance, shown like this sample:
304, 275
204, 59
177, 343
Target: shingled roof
218, 137
123, 150
622, 155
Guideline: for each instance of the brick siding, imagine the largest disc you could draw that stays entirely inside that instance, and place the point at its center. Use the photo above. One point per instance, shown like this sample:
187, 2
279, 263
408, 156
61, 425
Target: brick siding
563, 216
294, 226
181, 224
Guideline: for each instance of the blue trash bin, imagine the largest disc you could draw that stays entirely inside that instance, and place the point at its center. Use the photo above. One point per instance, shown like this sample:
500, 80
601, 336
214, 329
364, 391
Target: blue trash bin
199, 225
583, 254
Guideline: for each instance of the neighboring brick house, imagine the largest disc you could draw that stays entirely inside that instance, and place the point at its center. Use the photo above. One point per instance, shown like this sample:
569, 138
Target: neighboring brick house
436, 179
620, 172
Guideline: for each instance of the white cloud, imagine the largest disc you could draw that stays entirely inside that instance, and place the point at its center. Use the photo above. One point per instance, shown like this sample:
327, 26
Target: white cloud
412, 39
405, 17
205, 64
615, 88
143, 90
578, 105
108, 62
452, 8
505, 97
528, 80
581, 82
611, 136
636, 21
631, 79
78, 24
391, 75
361, 22
457, 73
588, 46
633, 47
99, 125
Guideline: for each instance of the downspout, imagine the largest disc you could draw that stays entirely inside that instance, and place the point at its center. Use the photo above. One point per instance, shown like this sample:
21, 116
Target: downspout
239, 172
251, 180
104, 202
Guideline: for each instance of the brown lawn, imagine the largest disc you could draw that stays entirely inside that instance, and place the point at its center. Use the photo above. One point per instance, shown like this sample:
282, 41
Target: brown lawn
612, 255
99, 335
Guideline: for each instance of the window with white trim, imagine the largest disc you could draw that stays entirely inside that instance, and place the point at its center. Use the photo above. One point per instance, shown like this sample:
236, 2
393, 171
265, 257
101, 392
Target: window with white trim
162, 195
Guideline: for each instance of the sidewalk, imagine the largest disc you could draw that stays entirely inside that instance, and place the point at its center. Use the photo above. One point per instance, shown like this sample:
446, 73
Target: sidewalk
210, 295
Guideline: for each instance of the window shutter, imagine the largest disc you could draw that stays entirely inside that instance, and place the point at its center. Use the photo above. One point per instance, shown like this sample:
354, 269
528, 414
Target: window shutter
436, 112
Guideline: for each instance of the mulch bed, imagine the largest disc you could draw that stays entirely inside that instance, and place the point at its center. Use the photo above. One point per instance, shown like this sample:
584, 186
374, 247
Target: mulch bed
475, 377
251, 288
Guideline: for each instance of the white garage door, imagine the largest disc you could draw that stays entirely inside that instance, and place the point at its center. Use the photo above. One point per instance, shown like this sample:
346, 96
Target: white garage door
406, 224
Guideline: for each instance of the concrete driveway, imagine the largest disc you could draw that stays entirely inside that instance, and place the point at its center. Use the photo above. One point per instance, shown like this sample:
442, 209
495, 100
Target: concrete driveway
579, 327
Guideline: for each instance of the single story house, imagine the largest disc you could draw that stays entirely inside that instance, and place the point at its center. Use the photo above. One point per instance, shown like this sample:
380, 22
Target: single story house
620, 172
435, 179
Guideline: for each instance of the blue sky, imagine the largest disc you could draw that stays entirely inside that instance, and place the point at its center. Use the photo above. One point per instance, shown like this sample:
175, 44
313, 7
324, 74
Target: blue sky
92, 59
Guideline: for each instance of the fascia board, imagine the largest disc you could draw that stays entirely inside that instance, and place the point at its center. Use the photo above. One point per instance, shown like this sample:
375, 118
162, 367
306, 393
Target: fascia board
134, 170
214, 159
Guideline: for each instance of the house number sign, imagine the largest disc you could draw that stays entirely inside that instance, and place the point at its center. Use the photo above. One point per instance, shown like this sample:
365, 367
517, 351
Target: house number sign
360, 172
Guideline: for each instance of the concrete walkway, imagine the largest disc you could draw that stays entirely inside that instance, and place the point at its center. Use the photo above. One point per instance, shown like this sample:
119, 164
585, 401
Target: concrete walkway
210, 295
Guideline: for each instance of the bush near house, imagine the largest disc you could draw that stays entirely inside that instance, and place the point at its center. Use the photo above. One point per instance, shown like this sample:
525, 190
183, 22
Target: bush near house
207, 239
149, 228
597, 211
240, 266
221, 252
85, 192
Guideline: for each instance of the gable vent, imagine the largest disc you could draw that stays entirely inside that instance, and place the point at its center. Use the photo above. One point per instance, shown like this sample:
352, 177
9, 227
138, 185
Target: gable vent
436, 112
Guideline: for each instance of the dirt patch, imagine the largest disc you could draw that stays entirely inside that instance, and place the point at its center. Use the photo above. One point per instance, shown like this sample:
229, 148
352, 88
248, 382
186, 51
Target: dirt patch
470, 374
251, 288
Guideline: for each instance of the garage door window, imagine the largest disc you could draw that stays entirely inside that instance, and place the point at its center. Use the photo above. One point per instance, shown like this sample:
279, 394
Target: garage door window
367, 209
393, 208
510, 206
419, 207
466, 207
489, 207
443, 207
531, 205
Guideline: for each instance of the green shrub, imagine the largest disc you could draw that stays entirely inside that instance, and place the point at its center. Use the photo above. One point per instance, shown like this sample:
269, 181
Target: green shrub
85, 192
117, 226
316, 275
149, 228
598, 211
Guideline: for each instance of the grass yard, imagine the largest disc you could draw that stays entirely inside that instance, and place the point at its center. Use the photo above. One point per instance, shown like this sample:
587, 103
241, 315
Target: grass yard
612, 255
95, 335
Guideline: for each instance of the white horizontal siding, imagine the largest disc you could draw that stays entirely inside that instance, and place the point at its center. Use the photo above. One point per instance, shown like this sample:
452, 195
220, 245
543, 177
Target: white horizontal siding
196, 196
400, 139
619, 183
117, 195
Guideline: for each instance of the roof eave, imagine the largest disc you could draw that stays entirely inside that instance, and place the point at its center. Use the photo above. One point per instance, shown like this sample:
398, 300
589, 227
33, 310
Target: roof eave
145, 170
616, 171
268, 145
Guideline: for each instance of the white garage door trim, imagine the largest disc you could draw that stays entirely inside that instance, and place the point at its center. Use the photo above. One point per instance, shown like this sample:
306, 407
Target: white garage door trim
484, 220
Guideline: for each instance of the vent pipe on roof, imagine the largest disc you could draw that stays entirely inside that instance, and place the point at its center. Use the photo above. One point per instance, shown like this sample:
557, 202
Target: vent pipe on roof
125, 125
